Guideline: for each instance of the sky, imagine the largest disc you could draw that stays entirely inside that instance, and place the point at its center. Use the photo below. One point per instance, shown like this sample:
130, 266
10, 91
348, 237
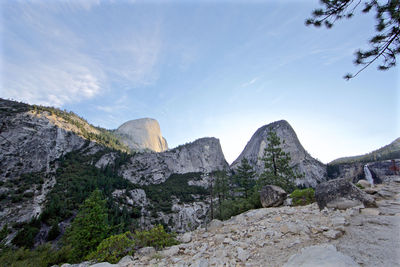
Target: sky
201, 68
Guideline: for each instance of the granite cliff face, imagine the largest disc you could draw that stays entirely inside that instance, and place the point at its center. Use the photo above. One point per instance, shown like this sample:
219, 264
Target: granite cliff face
30, 141
142, 134
313, 170
202, 155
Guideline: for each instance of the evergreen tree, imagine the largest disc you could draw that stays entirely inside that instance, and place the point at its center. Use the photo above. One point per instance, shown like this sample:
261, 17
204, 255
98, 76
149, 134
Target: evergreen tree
385, 44
89, 227
276, 163
221, 188
244, 177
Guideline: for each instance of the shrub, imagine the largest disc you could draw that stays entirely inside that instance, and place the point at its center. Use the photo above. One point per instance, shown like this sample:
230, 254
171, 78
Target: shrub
112, 249
360, 186
303, 197
42, 256
155, 237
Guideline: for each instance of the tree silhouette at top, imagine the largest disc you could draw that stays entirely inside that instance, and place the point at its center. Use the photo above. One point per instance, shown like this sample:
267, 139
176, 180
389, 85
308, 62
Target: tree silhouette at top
384, 45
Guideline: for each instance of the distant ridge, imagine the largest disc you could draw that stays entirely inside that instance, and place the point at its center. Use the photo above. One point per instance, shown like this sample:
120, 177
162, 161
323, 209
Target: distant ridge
390, 151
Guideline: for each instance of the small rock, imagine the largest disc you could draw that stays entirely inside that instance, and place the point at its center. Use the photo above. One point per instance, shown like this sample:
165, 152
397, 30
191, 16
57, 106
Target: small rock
371, 191
200, 263
339, 221
333, 234
364, 183
125, 261
146, 251
242, 254
214, 225
170, 251
186, 238
370, 211
284, 229
227, 240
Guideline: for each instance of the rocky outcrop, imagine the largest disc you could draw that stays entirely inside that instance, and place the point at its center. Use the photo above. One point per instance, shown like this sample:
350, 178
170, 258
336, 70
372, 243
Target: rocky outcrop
203, 155
314, 171
272, 196
339, 191
142, 134
29, 142
355, 171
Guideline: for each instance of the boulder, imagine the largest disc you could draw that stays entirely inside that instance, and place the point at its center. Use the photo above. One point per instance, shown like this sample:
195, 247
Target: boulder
126, 261
186, 238
146, 251
340, 189
321, 255
364, 183
214, 225
272, 196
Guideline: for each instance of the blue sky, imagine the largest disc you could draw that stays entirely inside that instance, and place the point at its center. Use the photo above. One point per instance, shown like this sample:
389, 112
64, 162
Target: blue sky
201, 68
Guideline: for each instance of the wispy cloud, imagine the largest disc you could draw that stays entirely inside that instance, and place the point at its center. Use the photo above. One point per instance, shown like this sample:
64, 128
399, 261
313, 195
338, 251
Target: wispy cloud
249, 82
48, 60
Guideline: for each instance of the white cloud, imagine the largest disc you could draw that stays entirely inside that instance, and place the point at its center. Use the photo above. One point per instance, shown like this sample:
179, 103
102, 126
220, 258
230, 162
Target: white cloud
48, 61
48, 84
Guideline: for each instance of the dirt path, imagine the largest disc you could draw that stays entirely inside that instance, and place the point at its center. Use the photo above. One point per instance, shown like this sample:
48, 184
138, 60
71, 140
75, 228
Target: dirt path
373, 236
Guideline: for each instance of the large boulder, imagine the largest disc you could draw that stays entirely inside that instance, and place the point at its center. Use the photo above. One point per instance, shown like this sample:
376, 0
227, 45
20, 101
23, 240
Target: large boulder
340, 190
272, 196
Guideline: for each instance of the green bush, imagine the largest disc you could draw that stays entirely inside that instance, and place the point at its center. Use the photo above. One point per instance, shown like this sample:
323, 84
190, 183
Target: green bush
360, 186
301, 197
232, 207
42, 256
112, 249
155, 237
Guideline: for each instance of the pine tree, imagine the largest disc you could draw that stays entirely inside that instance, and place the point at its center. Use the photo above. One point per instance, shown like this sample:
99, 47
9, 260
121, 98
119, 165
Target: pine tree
276, 163
89, 227
244, 177
384, 45
221, 188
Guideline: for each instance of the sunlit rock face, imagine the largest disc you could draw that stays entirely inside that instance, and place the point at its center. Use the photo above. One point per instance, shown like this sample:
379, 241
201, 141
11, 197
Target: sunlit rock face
142, 134
313, 170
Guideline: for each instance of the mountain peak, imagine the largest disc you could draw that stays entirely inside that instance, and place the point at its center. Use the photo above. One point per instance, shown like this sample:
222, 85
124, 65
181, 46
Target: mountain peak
142, 134
313, 170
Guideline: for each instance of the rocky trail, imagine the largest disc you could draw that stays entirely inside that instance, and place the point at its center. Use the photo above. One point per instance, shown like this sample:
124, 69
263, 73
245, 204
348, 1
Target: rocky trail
291, 236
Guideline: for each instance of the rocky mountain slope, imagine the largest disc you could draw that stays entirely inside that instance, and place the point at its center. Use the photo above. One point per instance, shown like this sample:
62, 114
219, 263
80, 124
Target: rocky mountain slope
390, 151
203, 155
290, 236
35, 140
142, 134
313, 170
